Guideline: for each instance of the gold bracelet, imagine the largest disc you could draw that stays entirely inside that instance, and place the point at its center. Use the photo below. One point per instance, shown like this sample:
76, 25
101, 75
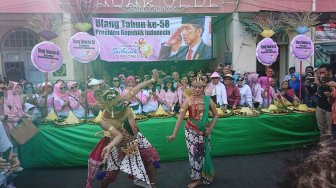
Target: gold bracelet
110, 129
131, 92
181, 110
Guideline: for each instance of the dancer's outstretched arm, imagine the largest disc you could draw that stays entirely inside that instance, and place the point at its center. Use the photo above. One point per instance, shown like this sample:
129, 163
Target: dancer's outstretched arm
130, 94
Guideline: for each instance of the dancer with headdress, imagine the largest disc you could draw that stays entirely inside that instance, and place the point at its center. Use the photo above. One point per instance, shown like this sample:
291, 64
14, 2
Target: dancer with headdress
197, 132
123, 147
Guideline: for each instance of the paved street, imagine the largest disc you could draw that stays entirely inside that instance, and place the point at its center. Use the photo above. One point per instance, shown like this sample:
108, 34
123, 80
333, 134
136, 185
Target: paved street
261, 170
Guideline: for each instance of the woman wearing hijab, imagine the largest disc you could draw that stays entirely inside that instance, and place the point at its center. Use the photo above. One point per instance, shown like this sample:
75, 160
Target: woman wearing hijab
168, 95
294, 83
61, 100
256, 89
135, 102
75, 99
46, 99
13, 104
30, 99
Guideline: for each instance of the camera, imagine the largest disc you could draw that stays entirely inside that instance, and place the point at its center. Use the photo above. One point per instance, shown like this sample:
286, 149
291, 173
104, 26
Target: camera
311, 79
325, 79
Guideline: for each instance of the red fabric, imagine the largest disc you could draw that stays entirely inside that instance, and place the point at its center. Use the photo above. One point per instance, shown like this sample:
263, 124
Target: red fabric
233, 95
149, 155
333, 107
189, 54
96, 153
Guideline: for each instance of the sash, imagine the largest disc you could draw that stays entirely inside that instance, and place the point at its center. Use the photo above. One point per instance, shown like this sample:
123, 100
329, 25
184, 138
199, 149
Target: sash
207, 170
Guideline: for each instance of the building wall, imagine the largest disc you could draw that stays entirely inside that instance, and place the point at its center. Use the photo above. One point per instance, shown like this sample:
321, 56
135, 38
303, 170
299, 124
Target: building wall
243, 47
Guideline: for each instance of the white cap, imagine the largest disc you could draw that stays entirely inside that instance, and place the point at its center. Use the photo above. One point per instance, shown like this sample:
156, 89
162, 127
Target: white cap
228, 75
43, 84
28, 106
93, 82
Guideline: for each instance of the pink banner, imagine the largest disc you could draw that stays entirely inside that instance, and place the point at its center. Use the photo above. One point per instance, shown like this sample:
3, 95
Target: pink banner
153, 39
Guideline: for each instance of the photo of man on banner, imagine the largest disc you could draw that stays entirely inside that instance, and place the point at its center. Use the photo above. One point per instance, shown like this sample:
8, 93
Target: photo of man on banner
191, 32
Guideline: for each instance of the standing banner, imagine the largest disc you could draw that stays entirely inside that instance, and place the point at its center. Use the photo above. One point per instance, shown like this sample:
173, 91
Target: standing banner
302, 47
153, 39
47, 57
267, 51
83, 47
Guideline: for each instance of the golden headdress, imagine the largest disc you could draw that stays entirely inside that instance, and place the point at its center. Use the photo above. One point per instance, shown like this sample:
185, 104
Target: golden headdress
198, 81
111, 100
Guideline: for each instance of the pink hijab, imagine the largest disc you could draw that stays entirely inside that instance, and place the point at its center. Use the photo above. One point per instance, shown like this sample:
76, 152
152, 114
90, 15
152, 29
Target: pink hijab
252, 79
130, 78
57, 92
14, 99
76, 93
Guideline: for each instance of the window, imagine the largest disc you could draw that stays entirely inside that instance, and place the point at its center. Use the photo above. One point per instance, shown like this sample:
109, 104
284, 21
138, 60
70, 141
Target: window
22, 38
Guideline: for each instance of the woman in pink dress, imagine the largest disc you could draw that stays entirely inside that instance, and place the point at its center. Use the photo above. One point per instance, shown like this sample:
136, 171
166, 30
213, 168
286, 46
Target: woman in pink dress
13, 104
94, 105
61, 100
46, 98
135, 102
256, 89
76, 100
168, 95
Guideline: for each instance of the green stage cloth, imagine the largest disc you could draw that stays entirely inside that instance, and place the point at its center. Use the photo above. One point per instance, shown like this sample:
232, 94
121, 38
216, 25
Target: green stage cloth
71, 146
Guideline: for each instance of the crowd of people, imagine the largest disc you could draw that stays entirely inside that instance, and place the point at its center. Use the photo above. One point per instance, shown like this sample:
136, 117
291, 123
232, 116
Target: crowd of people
176, 92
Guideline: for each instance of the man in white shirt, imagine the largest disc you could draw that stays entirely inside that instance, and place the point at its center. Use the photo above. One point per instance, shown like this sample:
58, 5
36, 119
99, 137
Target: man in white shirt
218, 93
245, 93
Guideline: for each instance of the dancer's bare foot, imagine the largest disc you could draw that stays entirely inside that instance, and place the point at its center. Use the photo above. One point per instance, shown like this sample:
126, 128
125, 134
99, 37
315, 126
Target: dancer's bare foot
194, 184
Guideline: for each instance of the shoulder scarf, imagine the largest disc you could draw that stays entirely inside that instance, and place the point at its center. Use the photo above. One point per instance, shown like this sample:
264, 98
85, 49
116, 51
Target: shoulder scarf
207, 170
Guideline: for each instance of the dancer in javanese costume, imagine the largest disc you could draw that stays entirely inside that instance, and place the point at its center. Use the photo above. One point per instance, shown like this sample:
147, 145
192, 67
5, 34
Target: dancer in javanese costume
123, 147
197, 133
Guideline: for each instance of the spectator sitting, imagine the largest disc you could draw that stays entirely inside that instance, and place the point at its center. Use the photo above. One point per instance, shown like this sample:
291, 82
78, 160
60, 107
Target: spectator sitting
46, 99
61, 100
291, 71
94, 85
218, 94
232, 91
14, 106
168, 95
256, 89
151, 103
287, 93
245, 93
